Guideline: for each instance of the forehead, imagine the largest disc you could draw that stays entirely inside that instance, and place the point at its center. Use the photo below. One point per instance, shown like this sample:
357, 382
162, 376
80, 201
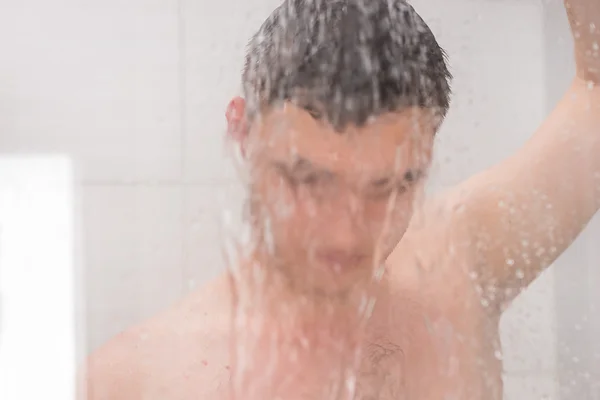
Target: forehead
290, 132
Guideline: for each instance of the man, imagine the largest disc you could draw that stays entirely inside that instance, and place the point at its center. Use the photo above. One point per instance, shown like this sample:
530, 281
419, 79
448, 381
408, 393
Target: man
349, 285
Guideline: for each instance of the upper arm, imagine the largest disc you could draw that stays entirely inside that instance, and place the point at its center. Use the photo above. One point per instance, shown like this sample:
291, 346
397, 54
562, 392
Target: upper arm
524, 212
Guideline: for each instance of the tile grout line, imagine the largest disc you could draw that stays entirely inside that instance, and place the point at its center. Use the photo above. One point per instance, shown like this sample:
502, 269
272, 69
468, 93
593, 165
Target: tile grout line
181, 42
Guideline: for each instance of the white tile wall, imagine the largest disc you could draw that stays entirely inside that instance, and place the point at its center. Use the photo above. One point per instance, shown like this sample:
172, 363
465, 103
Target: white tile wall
97, 80
206, 210
531, 386
135, 92
215, 40
499, 93
133, 250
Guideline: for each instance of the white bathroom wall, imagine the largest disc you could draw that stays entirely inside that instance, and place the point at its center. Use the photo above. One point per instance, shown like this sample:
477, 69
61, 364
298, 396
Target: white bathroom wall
100, 82
135, 92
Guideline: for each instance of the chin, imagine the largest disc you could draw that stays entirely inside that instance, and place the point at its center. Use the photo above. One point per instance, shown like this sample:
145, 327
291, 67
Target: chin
333, 285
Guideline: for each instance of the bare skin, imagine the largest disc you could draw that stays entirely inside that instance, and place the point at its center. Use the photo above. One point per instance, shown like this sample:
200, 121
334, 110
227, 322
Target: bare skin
460, 262
409, 353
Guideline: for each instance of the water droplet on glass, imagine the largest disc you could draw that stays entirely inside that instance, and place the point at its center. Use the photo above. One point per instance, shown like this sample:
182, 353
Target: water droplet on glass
520, 274
591, 85
586, 375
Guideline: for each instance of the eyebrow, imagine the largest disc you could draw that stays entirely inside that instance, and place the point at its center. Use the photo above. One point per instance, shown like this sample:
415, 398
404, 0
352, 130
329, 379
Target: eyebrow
301, 164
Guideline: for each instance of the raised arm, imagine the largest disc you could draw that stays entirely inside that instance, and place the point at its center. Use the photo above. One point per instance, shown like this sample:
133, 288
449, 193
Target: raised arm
523, 213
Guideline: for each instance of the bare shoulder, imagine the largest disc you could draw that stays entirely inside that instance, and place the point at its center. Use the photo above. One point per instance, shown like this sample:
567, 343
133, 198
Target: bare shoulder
181, 353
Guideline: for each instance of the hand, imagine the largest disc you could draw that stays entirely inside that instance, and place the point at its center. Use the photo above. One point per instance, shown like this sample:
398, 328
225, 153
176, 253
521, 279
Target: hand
584, 17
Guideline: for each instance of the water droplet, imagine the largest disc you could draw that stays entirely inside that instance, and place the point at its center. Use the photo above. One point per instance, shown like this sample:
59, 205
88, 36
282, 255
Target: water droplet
520, 274
370, 307
591, 85
379, 273
510, 261
498, 354
351, 383
586, 375
304, 342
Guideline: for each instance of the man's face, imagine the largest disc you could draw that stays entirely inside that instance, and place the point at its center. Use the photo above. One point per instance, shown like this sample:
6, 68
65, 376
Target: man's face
330, 206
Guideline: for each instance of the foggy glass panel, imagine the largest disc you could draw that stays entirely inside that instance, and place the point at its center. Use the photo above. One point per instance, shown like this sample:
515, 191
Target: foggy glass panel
282, 213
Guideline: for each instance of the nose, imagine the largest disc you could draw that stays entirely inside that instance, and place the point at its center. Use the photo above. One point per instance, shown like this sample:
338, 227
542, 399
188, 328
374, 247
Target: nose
342, 227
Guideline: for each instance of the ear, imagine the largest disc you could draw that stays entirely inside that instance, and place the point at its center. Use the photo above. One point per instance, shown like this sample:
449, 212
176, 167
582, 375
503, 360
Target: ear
237, 127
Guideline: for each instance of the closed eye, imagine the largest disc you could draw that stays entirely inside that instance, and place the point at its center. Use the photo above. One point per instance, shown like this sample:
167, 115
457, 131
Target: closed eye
386, 186
385, 189
310, 178
301, 176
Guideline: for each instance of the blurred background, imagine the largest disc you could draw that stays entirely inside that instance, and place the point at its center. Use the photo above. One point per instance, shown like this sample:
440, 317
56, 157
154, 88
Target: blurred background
134, 93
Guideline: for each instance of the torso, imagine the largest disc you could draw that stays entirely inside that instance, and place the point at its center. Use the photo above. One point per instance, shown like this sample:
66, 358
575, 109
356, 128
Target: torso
439, 341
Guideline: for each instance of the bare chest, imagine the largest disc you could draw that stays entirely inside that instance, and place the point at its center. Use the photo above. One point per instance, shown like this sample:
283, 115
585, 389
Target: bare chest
429, 356
435, 343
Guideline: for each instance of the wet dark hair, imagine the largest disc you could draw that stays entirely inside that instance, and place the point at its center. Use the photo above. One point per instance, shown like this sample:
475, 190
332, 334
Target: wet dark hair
346, 60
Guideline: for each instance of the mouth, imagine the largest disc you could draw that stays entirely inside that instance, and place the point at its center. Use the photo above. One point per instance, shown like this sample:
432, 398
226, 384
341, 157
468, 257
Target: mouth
339, 261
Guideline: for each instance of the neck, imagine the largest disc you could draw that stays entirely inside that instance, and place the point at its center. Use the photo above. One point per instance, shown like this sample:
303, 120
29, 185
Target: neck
264, 291
284, 340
